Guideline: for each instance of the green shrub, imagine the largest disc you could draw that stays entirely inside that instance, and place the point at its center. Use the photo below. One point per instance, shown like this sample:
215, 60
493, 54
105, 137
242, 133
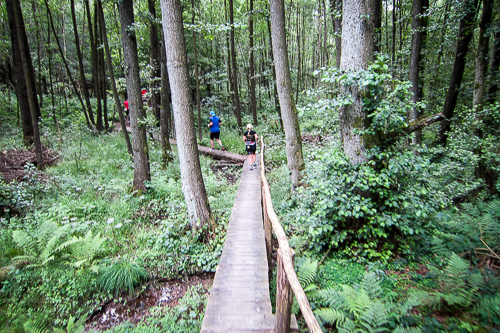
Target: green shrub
122, 275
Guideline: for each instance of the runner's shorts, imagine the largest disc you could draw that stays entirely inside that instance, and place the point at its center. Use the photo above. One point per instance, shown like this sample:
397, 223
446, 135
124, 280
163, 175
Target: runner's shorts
214, 135
251, 147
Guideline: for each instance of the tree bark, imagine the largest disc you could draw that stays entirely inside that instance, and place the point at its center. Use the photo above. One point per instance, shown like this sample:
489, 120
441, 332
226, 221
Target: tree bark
419, 26
378, 25
19, 79
336, 12
253, 101
237, 108
482, 54
465, 33
165, 112
118, 104
98, 84
137, 114
193, 187
273, 69
284, 84
154, 60
494, 65
196, 73
83, 80
358, 45
29, 75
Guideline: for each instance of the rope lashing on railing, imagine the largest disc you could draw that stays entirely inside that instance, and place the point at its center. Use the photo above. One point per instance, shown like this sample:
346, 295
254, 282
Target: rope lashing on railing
299, 293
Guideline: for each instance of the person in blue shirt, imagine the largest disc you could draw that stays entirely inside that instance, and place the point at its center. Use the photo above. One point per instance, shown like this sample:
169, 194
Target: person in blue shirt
215, 130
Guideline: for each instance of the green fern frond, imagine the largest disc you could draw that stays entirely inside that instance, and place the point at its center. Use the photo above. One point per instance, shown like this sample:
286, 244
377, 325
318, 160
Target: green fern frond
476, 280
53, 242
307, 272
35, 326
331, 296
354, 301
371, 285
374, 318
330, 316
25, 242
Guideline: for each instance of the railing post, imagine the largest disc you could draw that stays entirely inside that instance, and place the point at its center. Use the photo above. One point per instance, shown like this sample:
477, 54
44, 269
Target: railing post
284, 295
268, 236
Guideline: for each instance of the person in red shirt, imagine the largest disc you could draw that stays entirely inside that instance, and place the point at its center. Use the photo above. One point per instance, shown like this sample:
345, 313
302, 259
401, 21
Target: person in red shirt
127, 113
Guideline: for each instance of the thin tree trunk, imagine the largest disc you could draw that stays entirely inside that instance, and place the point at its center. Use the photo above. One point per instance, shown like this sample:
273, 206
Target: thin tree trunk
494, 65
67, 67
253, 101
154, 60
394, 11
419, 26
165, 109
482, 54
29, 75
284, 83
38, 52
237, 108
378, 25
98, 91
19, 79
298, 56
193, 187
83, 80
137, 114
196, 73
93, 49
465, 34
118, 104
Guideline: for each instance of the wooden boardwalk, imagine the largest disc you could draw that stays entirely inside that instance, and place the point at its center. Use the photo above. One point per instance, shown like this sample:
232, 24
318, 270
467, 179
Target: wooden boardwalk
239, 300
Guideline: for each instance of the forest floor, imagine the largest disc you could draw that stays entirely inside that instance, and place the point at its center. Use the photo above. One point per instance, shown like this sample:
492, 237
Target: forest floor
13, 162
158, 293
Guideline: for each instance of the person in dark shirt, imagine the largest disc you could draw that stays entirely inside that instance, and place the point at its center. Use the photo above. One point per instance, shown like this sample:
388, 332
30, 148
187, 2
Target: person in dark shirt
250, 138
215, 130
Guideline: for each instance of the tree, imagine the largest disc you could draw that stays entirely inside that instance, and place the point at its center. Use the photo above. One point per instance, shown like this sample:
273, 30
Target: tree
19, 79
253, 102
482, 54
118, 104
358, 45
237, 108
465, 33
154, 60
29, 75
83, 80
165, 112
284, 84
419, 25
193, 186
137, 114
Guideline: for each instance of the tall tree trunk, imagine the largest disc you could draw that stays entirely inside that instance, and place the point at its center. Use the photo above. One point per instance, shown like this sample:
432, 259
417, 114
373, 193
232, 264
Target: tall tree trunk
29, 75
336, 12
137, 114
19, 79
93, 49
299, 56
196, 73
77, 93
494, 65
419, 26
358, 45
102, 65
154, 60
465, 33
253, 101
118, 104
193, 186
237, 108
228, 49
284, 83
38, 53
98, 84
394, 11
165, 109
83, 80
378, 25
482, 54
273, 69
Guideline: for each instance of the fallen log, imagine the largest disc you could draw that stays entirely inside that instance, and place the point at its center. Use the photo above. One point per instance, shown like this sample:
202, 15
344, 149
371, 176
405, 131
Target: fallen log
218, 154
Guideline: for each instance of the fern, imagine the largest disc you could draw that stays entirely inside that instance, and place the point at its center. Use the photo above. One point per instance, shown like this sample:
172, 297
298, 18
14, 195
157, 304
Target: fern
360, 309
35, 326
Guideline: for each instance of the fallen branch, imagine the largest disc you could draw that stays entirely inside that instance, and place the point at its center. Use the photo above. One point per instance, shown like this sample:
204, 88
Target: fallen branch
218, 154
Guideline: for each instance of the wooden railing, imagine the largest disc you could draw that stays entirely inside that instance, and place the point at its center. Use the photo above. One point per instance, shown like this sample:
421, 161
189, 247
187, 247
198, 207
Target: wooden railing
286, 277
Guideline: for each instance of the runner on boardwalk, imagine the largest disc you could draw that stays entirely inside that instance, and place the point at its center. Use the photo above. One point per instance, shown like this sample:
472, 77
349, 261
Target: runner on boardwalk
215, 130
250, 138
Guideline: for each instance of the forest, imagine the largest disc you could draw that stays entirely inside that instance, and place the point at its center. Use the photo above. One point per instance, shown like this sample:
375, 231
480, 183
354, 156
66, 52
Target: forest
381, 120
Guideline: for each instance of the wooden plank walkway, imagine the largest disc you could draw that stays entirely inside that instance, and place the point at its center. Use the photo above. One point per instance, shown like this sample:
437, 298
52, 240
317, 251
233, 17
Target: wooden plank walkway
239, 300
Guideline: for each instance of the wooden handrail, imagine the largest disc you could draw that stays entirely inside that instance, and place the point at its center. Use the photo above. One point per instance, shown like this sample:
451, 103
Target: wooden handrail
285, 249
